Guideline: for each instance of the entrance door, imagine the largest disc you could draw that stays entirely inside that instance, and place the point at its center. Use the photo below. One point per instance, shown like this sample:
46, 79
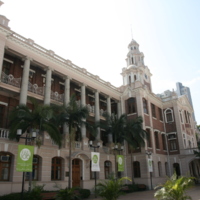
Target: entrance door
76, 172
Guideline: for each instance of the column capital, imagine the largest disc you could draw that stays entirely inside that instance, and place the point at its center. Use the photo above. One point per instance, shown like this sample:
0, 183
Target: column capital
49, 68
67, 77
27, 58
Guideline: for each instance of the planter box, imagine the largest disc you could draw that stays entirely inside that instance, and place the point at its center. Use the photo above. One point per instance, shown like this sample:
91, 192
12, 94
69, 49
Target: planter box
48, 195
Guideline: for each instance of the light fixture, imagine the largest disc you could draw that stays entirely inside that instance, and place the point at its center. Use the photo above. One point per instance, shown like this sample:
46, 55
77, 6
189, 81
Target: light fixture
19, 131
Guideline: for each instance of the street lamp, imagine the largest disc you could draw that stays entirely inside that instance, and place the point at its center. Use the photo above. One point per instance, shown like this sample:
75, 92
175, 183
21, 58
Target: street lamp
116, 148
150, 170
33, 136
95, 175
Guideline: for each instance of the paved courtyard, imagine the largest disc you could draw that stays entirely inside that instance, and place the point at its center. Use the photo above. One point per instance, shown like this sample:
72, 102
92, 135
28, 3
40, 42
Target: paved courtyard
148, 195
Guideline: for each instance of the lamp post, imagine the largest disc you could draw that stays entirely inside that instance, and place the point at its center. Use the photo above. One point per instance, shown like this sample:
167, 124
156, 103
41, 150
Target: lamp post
33, 136
116, 148
148, 153
95, 175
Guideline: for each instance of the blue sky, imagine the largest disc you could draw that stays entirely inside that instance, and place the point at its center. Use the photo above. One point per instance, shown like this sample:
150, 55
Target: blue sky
95, 34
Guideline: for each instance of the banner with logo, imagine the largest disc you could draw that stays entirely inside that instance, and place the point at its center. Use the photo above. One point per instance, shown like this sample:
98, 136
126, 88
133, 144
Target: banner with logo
95, 157
120, 161
150, 165
25, 158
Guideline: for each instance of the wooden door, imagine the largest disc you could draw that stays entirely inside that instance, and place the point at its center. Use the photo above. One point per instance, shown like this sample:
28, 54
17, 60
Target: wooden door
76, 174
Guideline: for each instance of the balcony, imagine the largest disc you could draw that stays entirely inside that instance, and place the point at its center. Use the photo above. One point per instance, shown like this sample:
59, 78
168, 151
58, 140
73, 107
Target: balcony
35, 89
189, 151
11, 80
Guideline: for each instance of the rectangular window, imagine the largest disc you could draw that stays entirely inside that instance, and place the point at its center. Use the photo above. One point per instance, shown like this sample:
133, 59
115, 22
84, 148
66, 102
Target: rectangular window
153, 110
148, 137
157, 140
173, 145
6, 67
2, 116
145, 107
160, 114
164, 142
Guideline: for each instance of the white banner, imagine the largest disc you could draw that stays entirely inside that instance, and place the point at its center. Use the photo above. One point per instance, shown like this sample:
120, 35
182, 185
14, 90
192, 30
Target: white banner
150, 165
95, 157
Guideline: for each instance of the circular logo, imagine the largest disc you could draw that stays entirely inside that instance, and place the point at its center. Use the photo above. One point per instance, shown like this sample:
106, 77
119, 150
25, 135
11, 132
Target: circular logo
120, 161
25, 154
95, 159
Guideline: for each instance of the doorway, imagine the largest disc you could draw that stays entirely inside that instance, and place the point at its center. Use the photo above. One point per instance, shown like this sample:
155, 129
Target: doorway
76, 173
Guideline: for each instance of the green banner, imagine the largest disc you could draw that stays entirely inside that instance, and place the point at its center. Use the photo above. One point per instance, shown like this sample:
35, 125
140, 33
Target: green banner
25, 158
120, 161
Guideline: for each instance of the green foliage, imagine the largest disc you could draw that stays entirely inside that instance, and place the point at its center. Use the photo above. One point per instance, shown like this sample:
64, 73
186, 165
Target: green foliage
84, 193
111, 189
130, 188
67, 194
15, 196
174, 188
36, 192
41, 118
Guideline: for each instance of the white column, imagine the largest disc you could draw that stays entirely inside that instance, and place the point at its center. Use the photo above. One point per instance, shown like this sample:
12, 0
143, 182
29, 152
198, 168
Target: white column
67, 91
108, 105
119, 112
83, 128
47, 94
25, 80
97, 116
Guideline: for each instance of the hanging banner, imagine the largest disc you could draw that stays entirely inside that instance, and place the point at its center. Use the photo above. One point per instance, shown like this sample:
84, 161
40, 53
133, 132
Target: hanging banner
150, 165
120, 161
25, 158
95, 156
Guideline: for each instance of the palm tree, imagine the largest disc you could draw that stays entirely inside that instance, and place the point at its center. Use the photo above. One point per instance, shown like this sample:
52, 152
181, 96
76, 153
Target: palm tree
41, 118
135, 136
174, 188
73, 115
115, 126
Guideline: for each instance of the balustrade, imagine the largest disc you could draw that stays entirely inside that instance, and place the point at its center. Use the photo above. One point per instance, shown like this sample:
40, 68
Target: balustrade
4, 133
11, 80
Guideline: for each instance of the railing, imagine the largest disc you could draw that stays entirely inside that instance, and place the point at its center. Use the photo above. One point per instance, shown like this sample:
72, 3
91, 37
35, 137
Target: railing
4, 133
56, 96
35, 89
9, 79
189, 151
67, 63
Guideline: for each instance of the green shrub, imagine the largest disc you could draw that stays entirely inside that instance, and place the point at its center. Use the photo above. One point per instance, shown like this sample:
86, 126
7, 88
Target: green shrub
84, 193
130, 188
111, 189
15, 196
67, 194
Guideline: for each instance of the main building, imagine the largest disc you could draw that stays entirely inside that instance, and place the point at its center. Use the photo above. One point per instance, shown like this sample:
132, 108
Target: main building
29, 70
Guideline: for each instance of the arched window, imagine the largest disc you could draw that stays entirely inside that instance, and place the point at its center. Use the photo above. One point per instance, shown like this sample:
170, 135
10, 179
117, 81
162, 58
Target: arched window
5, 166
159, 169
56, 166
36, 167
132, 60
107, 169
169, 115
135, 77
136, 169
176, 167
131, 105
92, 174
129, 80
145, 106
166, 169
